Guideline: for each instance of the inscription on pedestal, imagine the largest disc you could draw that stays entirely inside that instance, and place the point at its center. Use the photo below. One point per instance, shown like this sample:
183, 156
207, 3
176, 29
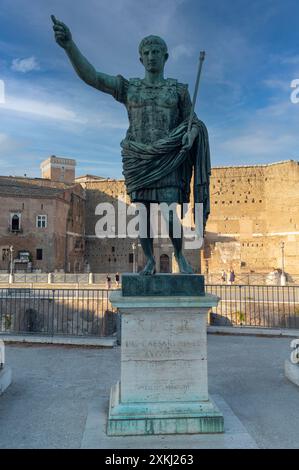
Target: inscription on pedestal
163, 364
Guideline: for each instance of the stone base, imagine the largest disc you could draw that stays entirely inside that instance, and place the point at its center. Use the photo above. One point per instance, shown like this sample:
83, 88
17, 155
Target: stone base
292, 372
162, 417
163, 285
5, 378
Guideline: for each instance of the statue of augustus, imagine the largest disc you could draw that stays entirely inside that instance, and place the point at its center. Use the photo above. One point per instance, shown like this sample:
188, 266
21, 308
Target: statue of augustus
159, 153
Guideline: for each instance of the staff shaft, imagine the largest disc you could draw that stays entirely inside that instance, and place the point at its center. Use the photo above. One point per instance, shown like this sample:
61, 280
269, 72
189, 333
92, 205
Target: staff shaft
201, 59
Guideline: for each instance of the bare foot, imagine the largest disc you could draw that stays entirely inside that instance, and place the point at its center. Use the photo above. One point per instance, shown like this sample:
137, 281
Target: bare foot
184, 266
149, 269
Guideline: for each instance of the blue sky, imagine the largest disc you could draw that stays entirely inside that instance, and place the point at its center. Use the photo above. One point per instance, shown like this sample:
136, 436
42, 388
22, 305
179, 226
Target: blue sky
252, 56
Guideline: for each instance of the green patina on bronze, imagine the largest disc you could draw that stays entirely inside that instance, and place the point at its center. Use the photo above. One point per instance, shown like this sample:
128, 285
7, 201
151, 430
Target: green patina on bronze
168, 285
159, 154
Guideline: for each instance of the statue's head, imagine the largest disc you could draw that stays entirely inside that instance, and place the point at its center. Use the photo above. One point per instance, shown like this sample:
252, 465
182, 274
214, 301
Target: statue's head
153, 53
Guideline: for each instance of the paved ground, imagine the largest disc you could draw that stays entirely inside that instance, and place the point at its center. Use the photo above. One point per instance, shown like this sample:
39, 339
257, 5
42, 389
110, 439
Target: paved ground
53, 386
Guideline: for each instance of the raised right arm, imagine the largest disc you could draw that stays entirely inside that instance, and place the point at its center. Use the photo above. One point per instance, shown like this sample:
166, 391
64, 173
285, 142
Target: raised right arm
85, 70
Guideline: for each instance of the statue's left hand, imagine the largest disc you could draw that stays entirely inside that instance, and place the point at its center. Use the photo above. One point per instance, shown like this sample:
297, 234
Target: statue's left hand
187, 140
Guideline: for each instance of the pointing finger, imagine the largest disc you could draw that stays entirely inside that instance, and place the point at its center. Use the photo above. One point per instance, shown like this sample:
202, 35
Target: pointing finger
56, 22
58, 28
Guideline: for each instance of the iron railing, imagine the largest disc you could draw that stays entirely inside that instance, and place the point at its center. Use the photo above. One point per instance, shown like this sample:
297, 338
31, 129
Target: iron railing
263, 306
254, 279
74, 312
56, 278
88, 312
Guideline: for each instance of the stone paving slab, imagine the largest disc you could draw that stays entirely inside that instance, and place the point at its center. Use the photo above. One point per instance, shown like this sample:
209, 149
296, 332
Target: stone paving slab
55, 387
108, 342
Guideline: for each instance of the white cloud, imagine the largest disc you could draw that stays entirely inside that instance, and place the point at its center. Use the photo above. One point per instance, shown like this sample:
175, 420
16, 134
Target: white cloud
292, 60
274, 83
55, 101
268, 135
260, 144
181, 50
44, 109
8, 146
25, 65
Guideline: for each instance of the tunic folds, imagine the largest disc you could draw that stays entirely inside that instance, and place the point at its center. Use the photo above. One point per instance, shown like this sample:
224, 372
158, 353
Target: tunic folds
154, 166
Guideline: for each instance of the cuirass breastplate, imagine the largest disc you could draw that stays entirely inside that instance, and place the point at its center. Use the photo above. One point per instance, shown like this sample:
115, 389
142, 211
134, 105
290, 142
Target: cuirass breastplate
153, 110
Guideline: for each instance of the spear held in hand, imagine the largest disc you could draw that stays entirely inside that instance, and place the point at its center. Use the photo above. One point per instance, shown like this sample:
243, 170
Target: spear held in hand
201, 59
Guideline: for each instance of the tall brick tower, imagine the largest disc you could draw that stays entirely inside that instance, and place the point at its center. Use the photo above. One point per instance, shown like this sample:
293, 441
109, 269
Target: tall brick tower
59, 169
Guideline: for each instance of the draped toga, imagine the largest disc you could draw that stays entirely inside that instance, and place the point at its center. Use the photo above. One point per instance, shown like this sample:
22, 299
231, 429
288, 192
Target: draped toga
154, 166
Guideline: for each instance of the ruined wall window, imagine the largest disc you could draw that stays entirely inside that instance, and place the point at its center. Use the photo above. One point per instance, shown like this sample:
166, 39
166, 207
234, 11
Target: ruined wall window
39, 254
113, 249
41, 221
5, 254
15, 222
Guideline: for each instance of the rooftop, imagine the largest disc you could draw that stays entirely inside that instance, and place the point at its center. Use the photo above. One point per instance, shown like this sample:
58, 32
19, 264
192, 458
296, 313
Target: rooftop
32, 187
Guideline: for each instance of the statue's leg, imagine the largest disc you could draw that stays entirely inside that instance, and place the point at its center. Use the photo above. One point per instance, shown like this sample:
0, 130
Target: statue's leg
147, 244
177, 243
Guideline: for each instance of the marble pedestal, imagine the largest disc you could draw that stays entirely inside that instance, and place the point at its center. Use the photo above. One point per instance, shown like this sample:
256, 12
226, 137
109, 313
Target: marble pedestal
5, 378
164, 385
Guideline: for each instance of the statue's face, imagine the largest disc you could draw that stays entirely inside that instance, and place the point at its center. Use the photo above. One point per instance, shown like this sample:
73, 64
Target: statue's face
153, 58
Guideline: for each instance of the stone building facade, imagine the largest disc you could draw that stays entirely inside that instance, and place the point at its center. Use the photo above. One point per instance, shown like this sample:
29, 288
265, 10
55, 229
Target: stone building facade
254, 209
122, 254
253, 225
44, 221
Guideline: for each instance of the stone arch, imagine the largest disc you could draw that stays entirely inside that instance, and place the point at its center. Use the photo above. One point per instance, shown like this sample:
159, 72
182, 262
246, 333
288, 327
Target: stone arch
164, 264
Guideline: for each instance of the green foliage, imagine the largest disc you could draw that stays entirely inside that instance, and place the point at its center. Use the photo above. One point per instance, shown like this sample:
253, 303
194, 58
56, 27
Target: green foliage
7, 322
239, 317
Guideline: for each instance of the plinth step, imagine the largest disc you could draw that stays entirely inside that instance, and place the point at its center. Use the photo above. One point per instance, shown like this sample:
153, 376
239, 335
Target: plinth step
163, 285
162, 418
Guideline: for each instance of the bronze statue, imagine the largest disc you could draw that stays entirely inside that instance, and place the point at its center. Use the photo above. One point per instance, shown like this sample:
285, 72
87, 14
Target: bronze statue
160, 150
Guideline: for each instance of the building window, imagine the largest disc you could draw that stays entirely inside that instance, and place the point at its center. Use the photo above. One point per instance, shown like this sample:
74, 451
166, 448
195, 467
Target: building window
131, 258
39, 254
113, 249
15, 222
41, 221
5, 254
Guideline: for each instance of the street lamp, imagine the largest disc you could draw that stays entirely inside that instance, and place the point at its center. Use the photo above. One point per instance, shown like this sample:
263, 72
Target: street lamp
11, 259
134, 255
283, 276
11, 265
282, 257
